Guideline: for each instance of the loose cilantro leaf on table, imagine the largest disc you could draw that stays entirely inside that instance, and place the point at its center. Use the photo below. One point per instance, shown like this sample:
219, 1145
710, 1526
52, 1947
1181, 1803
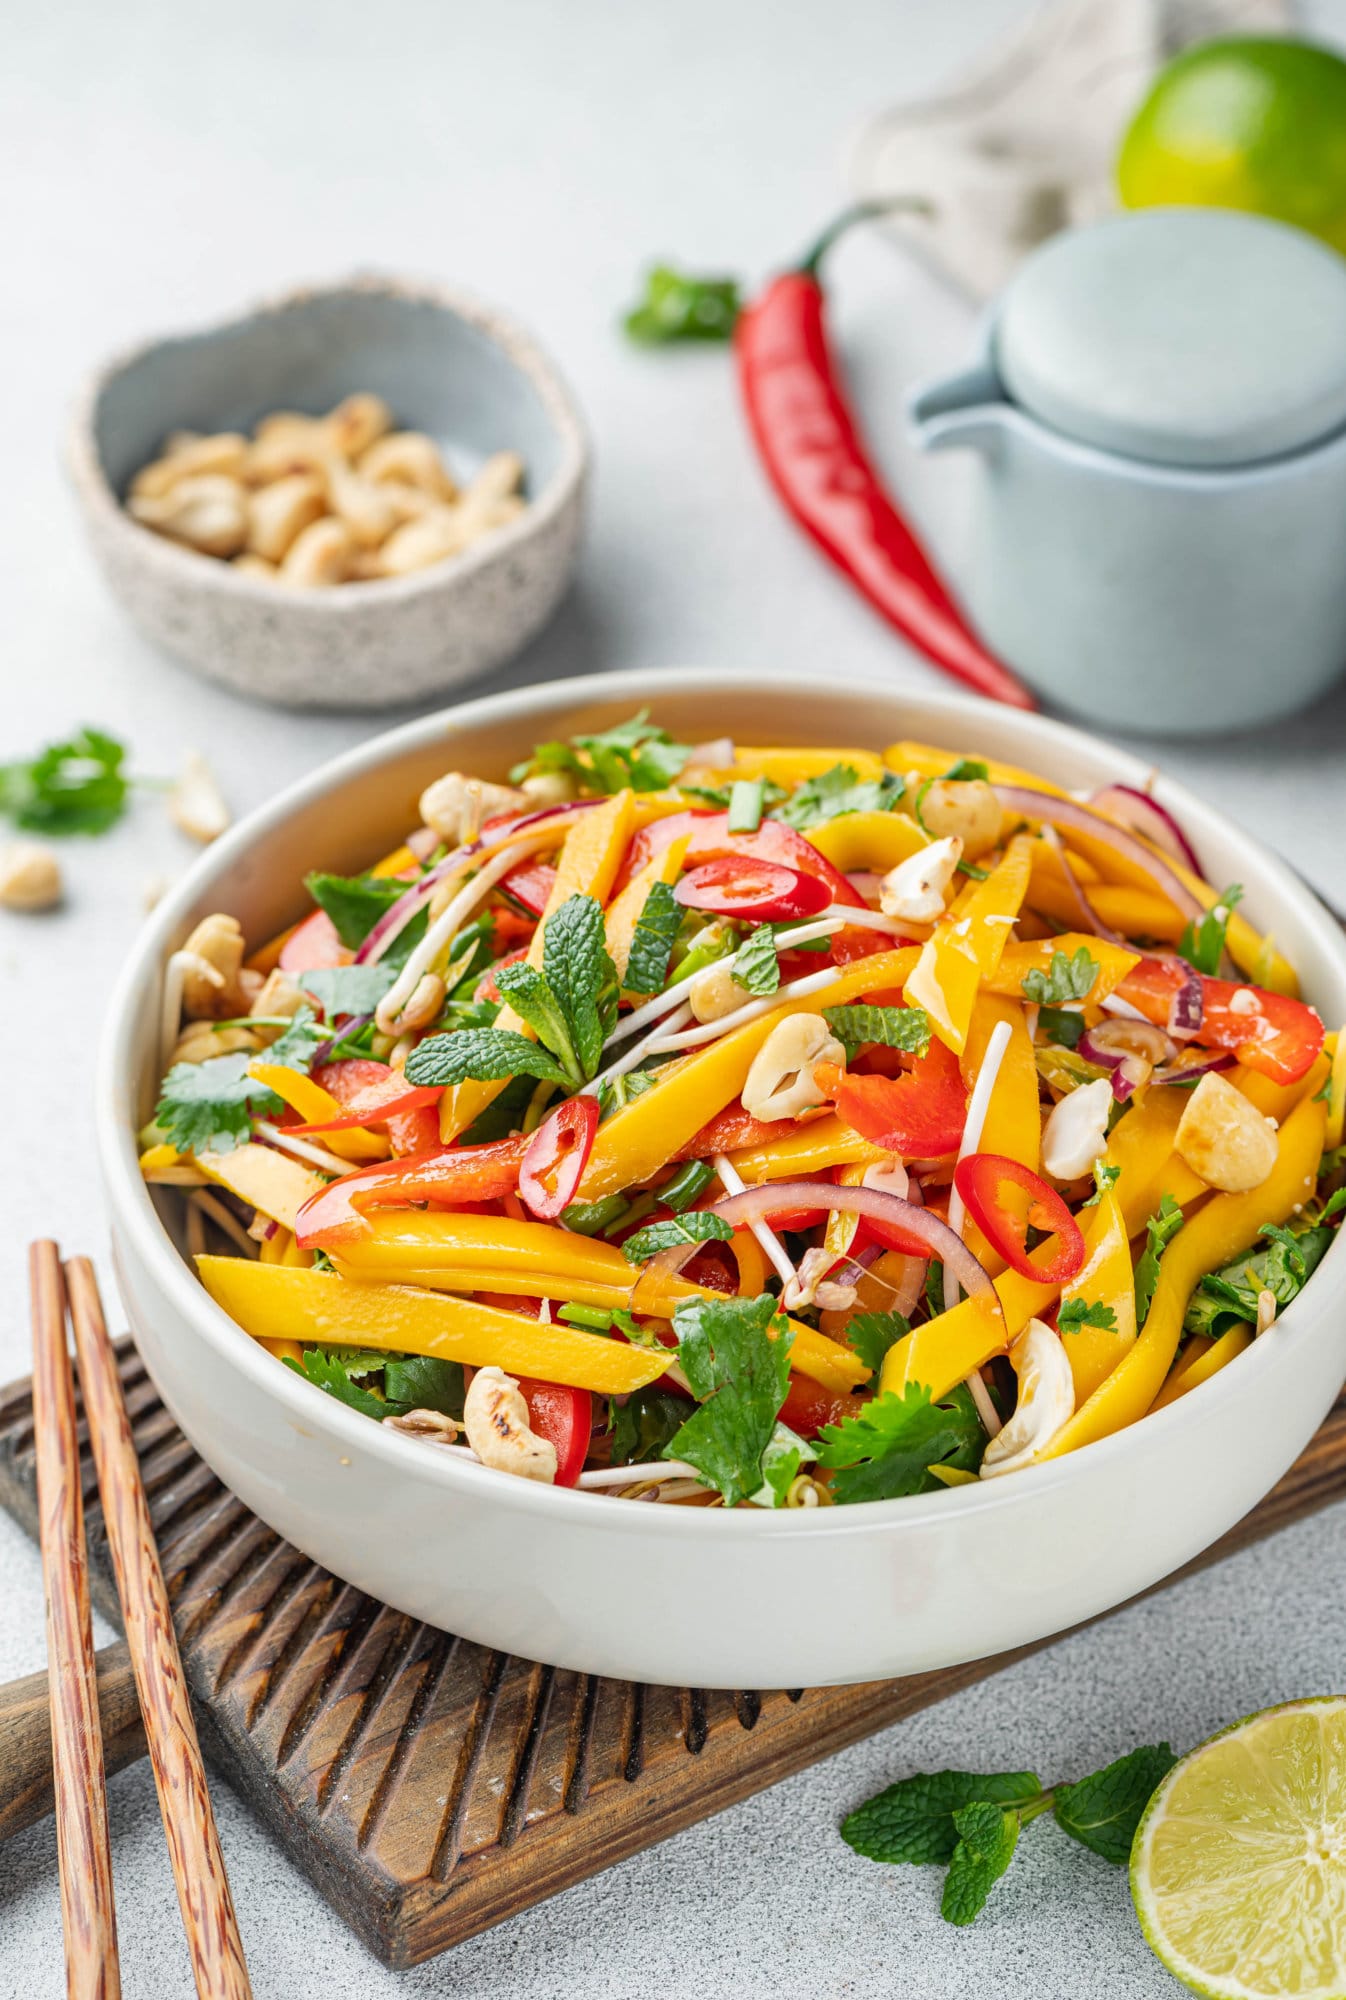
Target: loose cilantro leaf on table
886, 1450
1067, 978
1103, 1811
836, 792
1078, 1313
652, 941
739, 1374
73, 787
987, 1838
1202, 945
1160, 1231
913, 1820
906, 1028
872, 1334
677, 307
347, 989
756, 967
698, 1227
636, 753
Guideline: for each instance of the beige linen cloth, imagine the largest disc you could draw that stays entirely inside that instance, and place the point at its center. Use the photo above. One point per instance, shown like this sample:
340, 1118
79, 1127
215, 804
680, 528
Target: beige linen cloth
1027, 143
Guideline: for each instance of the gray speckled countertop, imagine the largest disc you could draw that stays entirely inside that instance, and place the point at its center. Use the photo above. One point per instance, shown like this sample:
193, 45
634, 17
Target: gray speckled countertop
173, 161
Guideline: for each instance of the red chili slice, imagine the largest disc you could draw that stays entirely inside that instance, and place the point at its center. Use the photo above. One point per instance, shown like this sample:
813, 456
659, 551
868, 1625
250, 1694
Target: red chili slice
413, 1129
740, 885
380, 1104
1004, 1198
453, 1176
709, 838
557, 1155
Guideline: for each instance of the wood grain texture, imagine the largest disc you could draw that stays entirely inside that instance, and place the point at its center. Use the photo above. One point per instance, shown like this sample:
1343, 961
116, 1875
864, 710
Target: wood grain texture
213, 1942
88, 1913
431, 1787
25, 1736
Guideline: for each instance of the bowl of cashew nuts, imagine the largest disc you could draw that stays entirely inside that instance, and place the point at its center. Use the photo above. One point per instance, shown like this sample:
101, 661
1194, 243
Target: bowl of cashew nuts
352, 497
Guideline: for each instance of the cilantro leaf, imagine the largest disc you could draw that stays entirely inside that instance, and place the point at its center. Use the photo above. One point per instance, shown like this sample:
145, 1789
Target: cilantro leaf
409, 1381
1066, 979
677, 307
582, 977
756, 967
333, 1372
913, 1819
905, 1028
1160, 1231
700, 1226
652, 940
785, 1453
872, 1334
645, 1424
1061, 1025
296, 1047
423, 1382
739, 1375
347, 989
838, 791
209, 1107
987, 1836
72, 787
1224, 1297
1104, 1810
967, 769
356, 902
485, 1055
1077, 1313
529, 993
636, 753
1104, 1178
686, 1185
1202, 945
887, 1449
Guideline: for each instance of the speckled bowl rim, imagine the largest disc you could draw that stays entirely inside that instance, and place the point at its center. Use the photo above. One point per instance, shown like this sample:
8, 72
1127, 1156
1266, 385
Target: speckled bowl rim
187, 567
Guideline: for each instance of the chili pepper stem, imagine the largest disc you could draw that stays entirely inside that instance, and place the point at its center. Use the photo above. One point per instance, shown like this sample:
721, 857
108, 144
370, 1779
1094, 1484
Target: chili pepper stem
860, 211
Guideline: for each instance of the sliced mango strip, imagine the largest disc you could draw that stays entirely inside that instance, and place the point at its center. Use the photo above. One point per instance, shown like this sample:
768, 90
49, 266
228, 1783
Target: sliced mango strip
931, 762
877, 840
1107, 1280
519, 1282
428, 1238
1018, 960
1013, 1124
967, 947
786, 766
1201, 1359
273, 1302
946, 1349
314, 1105
644, 1135
1278, 1100
1141, 1144
813, 1148
1227, 1225
265, 1179
619, 925
813, 1354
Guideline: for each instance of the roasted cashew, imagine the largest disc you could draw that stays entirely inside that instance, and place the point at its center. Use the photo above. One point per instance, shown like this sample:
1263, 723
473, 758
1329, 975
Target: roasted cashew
196, 805
208, 513
1076, 1132
551, 788
495, 1417
780, 1082
965, 806
279, 512
213, 988
713, 993
409, 458
320, 556
30, 876
1045, 1404
916, 888
431, 538
198, 1042
1225, 1139
370, 513
356, 422
187, 455
455, 805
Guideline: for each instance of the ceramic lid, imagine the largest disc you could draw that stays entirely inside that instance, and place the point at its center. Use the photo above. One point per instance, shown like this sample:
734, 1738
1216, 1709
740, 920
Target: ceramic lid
1186, 336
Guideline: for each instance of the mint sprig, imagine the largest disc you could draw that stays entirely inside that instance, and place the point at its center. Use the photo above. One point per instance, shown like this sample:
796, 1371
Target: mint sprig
1067, 978
756, 966
906, 1028
652, 941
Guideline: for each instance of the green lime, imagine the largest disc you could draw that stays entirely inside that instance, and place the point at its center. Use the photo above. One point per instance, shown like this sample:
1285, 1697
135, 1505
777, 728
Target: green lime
1238, 1869
1246, 123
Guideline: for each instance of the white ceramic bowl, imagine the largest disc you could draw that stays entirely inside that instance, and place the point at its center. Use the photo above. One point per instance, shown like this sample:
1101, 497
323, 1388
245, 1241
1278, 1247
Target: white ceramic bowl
449, 365
684, 1595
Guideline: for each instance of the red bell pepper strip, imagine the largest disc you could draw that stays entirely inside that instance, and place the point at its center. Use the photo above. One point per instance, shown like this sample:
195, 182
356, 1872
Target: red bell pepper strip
414, 1129
1004, 1197
1279, 1037
531, 884
919, 1114
811, 448
565, 1418
453, 1176
732, 1130
557, 1155
742, 885
709, 839
378, 1104
313, 946
486, 988
808, 1406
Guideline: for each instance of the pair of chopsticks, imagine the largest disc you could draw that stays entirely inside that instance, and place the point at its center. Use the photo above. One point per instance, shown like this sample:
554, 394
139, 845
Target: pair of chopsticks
87, 1912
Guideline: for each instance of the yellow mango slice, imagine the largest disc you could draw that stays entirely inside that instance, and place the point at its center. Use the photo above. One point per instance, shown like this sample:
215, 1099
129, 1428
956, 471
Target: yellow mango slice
812, 1148
314, 1104
1013, 1126
1141, 1144
1336, 1102
619, 925
946, 1349
967, 947
1107, 1279
1201, 1359
1018, 960
931, 762
787, 766
877, 840
265, 1179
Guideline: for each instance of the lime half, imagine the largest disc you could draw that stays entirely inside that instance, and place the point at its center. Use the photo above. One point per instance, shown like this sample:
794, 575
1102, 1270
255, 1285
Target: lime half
1238, 1870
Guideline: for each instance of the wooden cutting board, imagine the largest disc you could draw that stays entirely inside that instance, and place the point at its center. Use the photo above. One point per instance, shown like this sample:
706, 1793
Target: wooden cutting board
430, 1787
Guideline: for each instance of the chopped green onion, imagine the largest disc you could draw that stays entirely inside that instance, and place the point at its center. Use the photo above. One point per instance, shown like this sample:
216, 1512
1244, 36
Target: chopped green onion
683, 1189
746, 802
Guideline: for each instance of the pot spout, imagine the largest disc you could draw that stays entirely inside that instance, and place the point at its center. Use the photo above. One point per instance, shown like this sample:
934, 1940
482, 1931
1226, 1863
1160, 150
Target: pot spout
967, 409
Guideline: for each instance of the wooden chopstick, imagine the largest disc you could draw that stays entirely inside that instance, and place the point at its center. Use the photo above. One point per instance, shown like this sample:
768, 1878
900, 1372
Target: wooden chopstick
184, 1801
88, 1915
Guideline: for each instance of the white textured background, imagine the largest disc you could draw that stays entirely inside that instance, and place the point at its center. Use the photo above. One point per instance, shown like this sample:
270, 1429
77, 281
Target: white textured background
162, 164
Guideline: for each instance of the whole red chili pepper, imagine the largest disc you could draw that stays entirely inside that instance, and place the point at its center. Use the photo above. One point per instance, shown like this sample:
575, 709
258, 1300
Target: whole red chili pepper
814, 457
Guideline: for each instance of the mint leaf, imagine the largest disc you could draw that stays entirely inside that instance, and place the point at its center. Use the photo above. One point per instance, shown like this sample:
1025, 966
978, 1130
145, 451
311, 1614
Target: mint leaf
739, 1375
698, 1227
1104, 1810
886, 1450
1202, 945
906, 1028
347, 989
838, 791
529, 993
1060, 1025
686, 1185
913, 1819
582, 977
645, 1424
756, 967
1076, 1313
1159, 1231
1104, 1178
483, 1055
987, 1837
652, 941
209, 1107
1066, 978
872, 1334
72, 787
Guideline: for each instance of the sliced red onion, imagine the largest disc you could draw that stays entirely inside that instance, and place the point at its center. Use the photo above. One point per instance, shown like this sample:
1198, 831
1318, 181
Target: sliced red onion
1141, 814
1113, 1039
399, 914
352, 1027
1086, 917
1126, 1074
1192, 1072
1051, 810
1188, 1007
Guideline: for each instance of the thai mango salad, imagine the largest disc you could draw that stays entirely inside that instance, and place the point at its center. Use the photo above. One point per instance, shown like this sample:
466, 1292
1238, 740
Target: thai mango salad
720, 1125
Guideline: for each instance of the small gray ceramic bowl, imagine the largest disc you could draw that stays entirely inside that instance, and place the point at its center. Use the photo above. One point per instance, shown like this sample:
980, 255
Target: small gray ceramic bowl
461, 371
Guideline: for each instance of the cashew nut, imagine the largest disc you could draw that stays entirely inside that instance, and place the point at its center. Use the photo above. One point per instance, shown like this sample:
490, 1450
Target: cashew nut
713, 994
277, 995
196, 804
1076, 1133
368, 511
1045, 1404
208, 513
278, 513
356, 422
780, 1082
916, 888
434, 536
250, 565
550, 788
30, 876
320, 556
498, 478
965, 806
213, 988
455, 805
1225, 1139
495, 1417
199, 1041
185, 456
432, 1426
409, 458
